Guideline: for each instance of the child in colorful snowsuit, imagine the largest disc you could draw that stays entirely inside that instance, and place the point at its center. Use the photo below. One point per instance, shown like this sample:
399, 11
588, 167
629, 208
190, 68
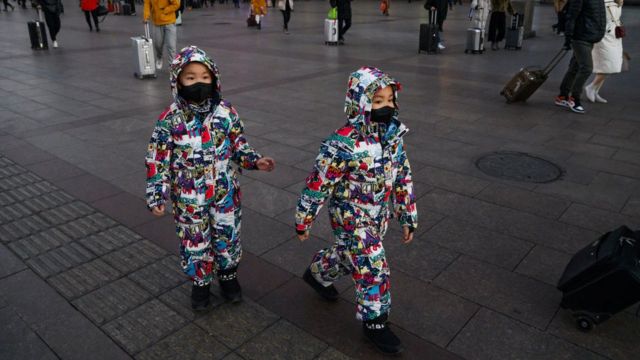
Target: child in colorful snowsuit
193, 147
360, 168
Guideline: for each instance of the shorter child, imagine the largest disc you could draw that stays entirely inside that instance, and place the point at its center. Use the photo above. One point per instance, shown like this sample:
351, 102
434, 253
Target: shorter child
360, 168
193, 148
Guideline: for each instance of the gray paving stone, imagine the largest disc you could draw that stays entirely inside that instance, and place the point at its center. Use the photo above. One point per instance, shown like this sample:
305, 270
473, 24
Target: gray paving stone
520, 297
18, 180
525, 226
632, 208
18, 341
295, 256
544, 264
233, 324
285, 154
267, 200
475, 241
261, 233
452, 181
595, 219
614, 339
40, 243
189, 342
233, 356
22, 227
14, 212
332, 354
580, 147
84, 278
9, 263
160, 276
109, 240
134, 256
11, 170
179, 300
59, 260
490, 335
282, 176
628, 156
48, 201
67, 212
144, 326
282, 340
28, 191
111, 301
87, 225
621, 167
519, 199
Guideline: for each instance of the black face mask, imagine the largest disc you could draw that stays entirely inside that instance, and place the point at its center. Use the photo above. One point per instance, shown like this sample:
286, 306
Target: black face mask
383, 115
198, 92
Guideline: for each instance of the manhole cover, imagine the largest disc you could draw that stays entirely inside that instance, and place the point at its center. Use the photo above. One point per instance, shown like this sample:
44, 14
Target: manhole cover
519, 167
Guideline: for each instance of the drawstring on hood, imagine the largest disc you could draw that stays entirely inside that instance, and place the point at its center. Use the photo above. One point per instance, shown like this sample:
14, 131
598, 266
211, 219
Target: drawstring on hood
186, 56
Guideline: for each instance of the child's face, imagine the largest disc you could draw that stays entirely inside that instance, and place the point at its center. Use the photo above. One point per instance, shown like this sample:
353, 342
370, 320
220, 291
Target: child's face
382, 98
195, 72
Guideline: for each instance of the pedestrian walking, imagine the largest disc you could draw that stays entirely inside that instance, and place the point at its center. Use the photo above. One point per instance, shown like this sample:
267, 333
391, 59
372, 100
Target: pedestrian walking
286, 7
52, 10
441, 7
7, 4
163, 15
259, 10
498, 21
586, 25
195, 147
359, 170
559, 7
90, 9
607, 53
344, 17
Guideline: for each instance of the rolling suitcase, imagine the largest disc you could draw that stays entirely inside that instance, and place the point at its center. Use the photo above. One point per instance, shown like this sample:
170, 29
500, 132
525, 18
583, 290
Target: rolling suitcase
523, 84
603, 278
475, 41
144, 55
429, 35
330, 32
515, 33
38, 33
126, 9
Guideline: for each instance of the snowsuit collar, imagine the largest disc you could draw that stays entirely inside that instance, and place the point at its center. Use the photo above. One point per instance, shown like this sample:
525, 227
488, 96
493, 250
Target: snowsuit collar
363, 84
188, 55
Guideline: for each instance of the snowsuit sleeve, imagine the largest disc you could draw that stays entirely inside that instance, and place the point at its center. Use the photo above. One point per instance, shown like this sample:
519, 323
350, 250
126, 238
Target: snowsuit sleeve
243, 154
158, 162
404, 200
329, 168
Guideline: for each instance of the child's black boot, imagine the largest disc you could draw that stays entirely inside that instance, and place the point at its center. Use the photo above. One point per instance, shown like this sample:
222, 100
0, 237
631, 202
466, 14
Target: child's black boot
229, 285
379, 333
328, 292
200, 297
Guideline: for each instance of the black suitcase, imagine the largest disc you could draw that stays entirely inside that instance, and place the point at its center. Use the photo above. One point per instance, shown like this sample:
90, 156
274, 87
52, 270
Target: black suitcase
38, 33
515, 33
126, 9
603, 278
429, 35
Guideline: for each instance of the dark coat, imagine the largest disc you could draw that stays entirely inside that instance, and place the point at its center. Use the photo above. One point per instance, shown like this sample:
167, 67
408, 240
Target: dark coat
442, 6
51, 6
344, 8
586, 20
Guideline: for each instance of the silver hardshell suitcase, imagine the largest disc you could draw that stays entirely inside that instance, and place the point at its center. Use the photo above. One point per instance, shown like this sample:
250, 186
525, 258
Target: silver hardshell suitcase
475, 41
330, 32
144, 55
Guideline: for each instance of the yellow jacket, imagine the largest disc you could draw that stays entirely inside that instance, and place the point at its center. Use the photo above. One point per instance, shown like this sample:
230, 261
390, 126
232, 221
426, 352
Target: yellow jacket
162, 12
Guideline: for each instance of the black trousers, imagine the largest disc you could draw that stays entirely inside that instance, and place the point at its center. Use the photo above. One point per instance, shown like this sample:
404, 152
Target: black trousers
497, 26
89, 14
286, 15
6, 4
343, 25
53, 23
562, 19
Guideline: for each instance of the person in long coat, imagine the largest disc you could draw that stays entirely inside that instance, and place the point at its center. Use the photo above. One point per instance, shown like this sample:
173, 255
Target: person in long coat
498, 21
441, 7
259, 10
607, 54
90, 9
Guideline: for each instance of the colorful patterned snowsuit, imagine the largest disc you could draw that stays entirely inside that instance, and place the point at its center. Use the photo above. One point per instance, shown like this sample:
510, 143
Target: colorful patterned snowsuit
191, 153
360, 171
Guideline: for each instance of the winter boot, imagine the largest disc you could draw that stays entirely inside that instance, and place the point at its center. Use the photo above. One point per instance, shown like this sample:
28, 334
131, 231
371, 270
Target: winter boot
328, 292
200, 297
379, 333
229, 285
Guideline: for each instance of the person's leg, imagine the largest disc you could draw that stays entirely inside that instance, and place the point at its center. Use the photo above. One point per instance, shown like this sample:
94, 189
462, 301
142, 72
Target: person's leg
87, 17
158, 44
492, 30
584, 67
50, 19
94, 14
226, 249
340, 27
501, 26
347, 25
171, 38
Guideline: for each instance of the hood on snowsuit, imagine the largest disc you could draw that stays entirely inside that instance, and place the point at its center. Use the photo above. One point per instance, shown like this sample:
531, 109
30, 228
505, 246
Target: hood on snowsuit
363, 84
186, 56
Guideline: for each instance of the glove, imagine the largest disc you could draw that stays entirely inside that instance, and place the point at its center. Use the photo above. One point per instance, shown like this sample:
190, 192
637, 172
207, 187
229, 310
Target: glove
567, 43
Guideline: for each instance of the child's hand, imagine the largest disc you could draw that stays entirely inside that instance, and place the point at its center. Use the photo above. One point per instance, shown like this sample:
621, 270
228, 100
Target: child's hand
303, 237
266, 164
158, 210
407, 235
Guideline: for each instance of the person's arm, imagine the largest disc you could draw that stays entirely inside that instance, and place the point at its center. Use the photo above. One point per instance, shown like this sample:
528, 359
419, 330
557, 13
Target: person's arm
146, 13
329, 169
243, 154
158, 163
404, 200
573, 10
173, 6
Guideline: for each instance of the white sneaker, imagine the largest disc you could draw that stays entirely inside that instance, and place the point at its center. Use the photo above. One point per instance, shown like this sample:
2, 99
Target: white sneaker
590, 92
158, 64
441, 46
55, 44
600, 99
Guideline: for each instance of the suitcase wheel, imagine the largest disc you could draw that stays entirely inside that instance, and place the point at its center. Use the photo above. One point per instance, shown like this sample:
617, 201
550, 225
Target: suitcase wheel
584, 323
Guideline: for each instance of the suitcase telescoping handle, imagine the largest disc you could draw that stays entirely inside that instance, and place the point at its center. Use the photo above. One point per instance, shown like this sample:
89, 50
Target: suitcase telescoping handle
433, 16
39, 12
147, 32
554, 62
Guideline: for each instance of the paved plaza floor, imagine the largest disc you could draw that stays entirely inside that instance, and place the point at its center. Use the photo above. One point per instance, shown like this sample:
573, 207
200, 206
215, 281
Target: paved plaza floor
86, 272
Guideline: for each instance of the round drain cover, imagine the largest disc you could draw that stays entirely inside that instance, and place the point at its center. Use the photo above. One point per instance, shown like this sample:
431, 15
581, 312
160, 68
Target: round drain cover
519, 167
